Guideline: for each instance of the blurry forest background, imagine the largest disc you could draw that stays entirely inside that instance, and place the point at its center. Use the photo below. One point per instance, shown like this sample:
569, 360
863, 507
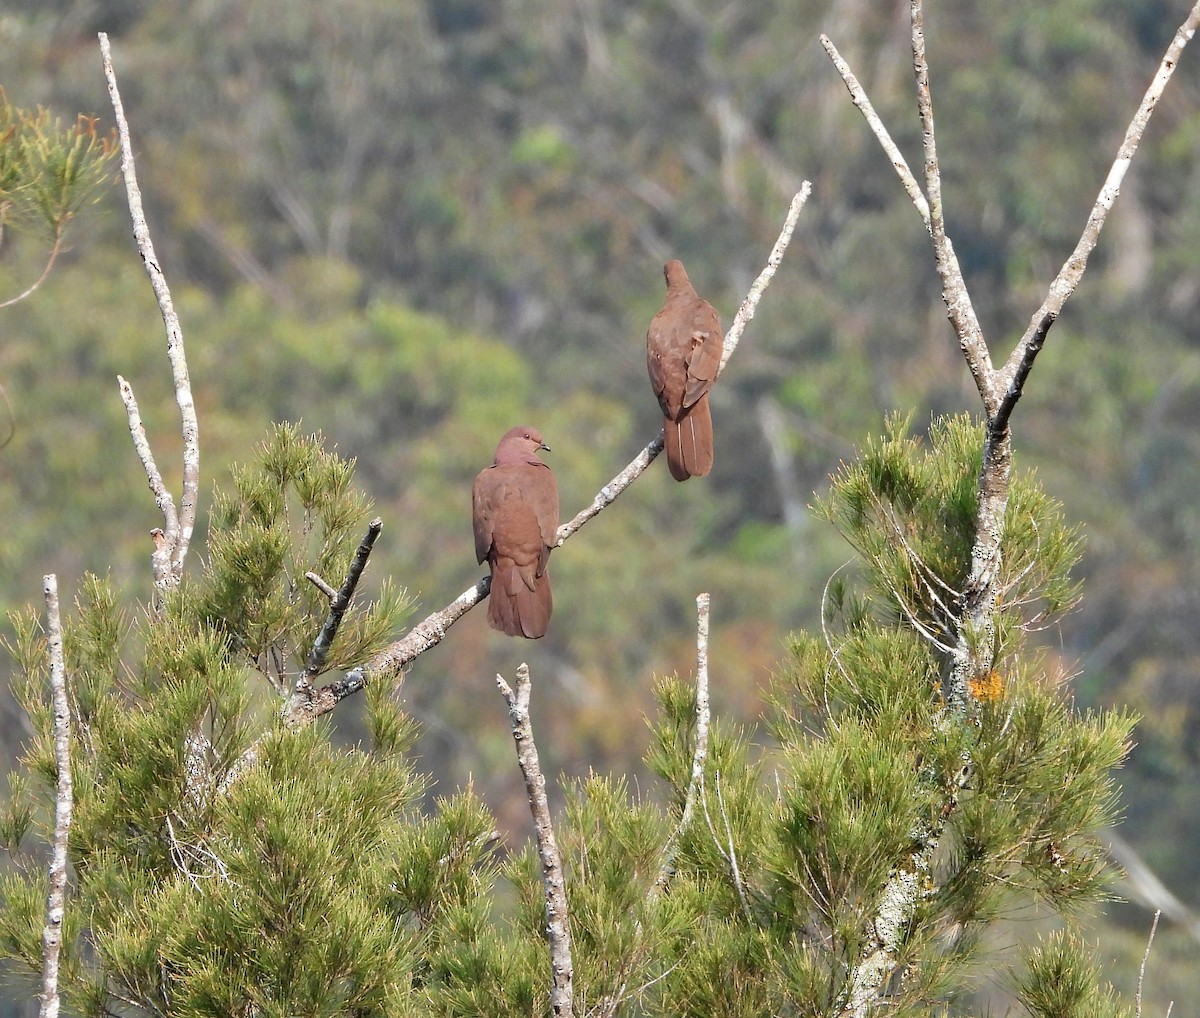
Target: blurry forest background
413, 223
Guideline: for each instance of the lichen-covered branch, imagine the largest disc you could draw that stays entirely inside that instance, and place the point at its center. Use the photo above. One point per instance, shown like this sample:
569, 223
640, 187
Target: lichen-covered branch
699, 749
178, 526
558, 924
63, 803
959, 307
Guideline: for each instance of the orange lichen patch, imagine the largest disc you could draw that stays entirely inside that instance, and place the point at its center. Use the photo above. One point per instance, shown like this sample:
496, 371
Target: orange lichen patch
987, 688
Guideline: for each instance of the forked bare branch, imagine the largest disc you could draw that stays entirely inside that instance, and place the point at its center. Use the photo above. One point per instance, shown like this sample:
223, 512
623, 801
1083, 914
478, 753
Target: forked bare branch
167, 561
1016, 369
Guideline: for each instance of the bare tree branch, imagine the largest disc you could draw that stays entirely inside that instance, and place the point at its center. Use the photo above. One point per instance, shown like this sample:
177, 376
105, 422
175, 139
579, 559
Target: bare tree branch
1142, 968
958, 303
63, 803
612, 1002
862, 103
749, 305
341, 601
954, 287
1020, 361
392, 661
299, 704
316, 580
558, 925
608, 494
178, 527
699, 751
160, 556
727, 851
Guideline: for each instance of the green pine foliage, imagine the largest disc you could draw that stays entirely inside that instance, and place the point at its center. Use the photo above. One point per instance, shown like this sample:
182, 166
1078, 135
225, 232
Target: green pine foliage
1061, 981
910, 513
223, 864
292, 512
284, 906
48, 169
209, 883
871, 783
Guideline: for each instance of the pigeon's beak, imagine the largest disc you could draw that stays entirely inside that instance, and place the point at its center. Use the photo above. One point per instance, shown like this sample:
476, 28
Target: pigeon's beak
544, 447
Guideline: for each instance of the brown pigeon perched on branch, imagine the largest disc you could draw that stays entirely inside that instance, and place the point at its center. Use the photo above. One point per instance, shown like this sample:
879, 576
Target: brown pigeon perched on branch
515, 515
683, 353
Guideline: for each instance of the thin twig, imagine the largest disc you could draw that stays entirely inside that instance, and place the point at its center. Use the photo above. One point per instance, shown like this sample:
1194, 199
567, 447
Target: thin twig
727, 850
699, 751
298, 709
858, 96
178, 527
749, 305
612, 1002
558, 925
181, 851
1142, 969
52, 933
12, 418
958, 303
321, 585
339, 603
32, 288
735, 869
609, 1006
933, 173
959, 308
608, 494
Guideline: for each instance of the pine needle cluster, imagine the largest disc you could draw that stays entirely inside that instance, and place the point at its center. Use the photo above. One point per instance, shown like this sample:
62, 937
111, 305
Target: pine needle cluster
50, 169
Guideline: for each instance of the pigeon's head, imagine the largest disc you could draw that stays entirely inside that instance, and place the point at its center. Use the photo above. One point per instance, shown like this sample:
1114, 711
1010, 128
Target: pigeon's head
676, 275
520, 445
